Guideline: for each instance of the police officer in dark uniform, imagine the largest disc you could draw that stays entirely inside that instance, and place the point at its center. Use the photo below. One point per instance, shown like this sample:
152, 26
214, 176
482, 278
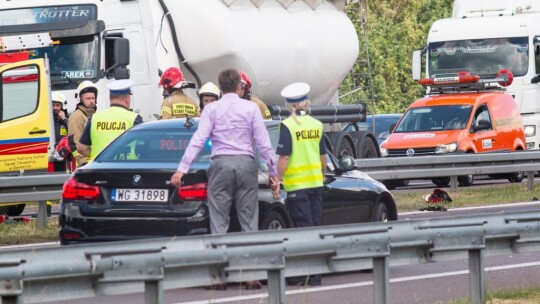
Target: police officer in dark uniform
105, 126
301, 165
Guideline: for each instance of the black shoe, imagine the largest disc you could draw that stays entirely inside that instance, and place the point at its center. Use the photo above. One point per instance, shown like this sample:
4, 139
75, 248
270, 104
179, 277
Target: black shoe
298, 281
315, 280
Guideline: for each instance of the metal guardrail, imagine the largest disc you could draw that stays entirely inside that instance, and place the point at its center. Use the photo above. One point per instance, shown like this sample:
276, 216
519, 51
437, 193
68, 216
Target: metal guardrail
452, 165
154, 265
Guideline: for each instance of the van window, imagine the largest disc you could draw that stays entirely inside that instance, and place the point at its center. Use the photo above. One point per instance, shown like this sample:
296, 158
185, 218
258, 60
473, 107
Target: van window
20, 87
482, 114
436, 118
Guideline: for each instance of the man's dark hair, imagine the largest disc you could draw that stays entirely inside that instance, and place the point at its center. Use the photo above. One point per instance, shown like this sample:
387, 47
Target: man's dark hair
228, 80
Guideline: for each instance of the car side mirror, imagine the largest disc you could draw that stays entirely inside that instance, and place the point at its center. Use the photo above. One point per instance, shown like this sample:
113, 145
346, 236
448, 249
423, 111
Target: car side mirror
535, 79
391, 128
482, 125
346, 162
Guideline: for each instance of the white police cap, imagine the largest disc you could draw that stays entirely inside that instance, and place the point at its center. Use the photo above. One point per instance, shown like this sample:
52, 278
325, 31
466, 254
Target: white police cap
120, 87
295, 92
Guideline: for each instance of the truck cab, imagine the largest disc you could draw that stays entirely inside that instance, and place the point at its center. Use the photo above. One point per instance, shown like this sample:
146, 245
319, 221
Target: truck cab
462, 114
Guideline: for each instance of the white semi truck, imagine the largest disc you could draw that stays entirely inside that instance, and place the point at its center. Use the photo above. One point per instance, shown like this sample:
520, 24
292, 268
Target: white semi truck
276, 42
483, 37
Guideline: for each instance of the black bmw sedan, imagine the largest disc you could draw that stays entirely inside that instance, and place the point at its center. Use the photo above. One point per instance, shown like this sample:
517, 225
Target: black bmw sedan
125, 193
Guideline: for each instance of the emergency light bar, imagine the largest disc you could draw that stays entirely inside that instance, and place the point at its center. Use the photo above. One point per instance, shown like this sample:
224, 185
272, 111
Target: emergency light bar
464, 81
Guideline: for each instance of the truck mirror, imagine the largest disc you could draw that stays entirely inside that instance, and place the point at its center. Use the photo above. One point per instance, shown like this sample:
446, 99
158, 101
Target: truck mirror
119, 57
417, 65
121, 73
536, 43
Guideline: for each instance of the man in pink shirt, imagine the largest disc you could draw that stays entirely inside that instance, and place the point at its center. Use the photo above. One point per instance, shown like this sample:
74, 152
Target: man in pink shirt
233, 124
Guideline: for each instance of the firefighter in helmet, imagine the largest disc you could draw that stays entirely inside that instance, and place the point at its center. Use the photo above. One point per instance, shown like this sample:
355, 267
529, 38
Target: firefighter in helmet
87, 94
60, 124
246, 94
208, 93
176, 104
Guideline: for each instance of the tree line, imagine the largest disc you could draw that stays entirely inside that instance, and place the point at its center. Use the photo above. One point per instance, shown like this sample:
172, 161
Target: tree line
394, 29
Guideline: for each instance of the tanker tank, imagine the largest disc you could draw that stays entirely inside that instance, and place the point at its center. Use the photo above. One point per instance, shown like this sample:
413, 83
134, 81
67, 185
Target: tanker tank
276, 43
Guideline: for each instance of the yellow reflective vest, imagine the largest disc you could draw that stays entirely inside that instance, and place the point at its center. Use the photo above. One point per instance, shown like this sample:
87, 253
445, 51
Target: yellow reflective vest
107, 125
304, 167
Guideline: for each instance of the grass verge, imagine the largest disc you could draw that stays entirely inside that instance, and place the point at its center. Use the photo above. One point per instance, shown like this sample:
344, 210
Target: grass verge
13, 233
469, 197
522, 296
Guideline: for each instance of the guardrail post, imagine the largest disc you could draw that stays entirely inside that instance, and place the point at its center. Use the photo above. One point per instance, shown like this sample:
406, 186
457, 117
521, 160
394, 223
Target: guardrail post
276, 287
477, 276
453, 183
381, 280
153, 292
42, 215
530, 180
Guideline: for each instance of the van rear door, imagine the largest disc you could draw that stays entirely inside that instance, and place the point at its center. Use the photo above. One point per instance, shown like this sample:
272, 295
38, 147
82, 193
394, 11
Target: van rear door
26, 124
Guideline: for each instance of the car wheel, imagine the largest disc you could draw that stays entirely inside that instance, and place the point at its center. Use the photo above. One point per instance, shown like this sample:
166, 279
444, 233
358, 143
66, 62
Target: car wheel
273, 221
515, 177
404, 182
3, 210
380, 213
465, 180
441, 181
15, 210
366, 148
390, 184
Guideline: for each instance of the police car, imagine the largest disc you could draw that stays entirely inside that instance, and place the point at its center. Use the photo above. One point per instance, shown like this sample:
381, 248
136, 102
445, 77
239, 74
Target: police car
124, 193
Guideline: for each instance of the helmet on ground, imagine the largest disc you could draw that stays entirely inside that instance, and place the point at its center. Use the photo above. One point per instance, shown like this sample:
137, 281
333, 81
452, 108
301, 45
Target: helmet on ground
245, 79
172, 78
85, 87
210, 89
58, 97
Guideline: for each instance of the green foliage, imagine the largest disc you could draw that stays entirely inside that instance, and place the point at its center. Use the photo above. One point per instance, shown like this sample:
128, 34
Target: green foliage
394, 28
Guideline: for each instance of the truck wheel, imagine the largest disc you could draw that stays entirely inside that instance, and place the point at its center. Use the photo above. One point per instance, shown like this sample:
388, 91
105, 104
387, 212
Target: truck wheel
272, 221
15, 210
366, 148
515, 177
465, 180
441, 181
345, 147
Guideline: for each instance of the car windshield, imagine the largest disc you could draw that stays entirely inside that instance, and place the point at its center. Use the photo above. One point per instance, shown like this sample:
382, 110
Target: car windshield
437, 118
152, 146
483, 57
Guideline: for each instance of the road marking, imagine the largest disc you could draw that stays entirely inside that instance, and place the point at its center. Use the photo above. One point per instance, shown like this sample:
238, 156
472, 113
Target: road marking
359, 284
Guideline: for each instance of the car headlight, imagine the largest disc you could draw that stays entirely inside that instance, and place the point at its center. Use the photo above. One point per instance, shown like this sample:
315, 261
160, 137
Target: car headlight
448, 148
384, 152
530, 130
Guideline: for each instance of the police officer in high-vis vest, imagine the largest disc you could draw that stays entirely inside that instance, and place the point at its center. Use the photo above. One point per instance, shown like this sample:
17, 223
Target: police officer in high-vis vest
301, 165
106, 125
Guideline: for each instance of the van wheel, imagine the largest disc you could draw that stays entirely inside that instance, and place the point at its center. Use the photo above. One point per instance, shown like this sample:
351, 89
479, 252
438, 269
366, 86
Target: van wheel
465, 180
366, 148
516, 177
441, 181
15, 210
273, 221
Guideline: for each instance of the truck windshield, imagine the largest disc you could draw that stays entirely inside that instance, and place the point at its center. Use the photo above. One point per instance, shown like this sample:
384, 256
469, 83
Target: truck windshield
483, 57
436, 118
72, 56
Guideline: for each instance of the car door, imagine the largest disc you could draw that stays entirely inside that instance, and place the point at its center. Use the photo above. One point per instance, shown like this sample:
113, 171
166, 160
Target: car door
25, 116
345, 200
485, 139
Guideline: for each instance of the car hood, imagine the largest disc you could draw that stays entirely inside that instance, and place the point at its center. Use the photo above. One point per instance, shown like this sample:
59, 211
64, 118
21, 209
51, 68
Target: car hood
421, 139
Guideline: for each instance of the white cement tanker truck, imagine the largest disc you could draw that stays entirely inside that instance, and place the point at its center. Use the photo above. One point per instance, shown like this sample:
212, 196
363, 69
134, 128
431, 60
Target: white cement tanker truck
276, 42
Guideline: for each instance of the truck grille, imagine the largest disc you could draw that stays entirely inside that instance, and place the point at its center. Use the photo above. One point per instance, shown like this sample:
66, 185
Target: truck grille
417, 152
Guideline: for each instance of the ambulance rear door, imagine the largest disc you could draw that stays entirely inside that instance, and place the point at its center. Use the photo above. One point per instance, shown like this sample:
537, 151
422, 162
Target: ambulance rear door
26, 126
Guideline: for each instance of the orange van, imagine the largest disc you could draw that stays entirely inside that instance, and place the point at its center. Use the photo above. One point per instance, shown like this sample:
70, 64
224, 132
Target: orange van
459, 116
